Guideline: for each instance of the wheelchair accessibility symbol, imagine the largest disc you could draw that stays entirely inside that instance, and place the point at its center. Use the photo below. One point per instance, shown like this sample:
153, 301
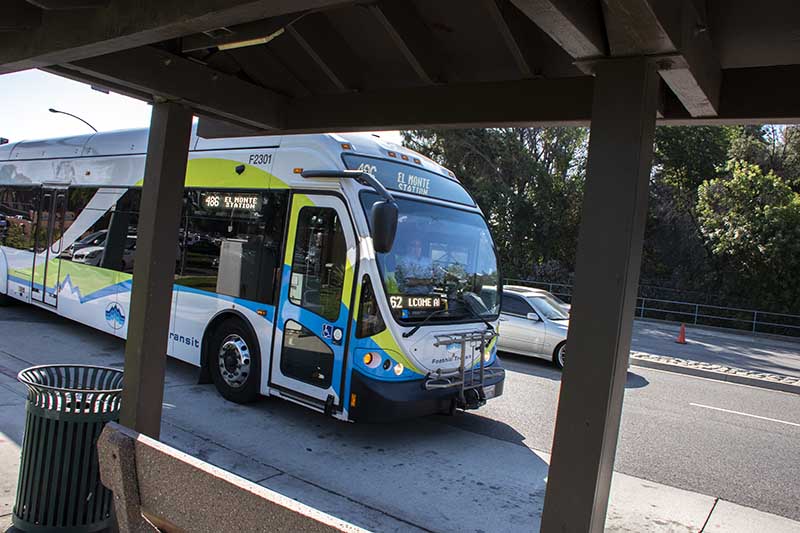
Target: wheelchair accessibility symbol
331, 332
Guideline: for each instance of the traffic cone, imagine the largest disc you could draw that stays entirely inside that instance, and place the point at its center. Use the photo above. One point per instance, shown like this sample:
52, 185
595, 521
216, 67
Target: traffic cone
681, 335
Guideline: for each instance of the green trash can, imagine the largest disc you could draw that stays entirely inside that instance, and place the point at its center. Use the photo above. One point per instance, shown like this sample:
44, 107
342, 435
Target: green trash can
59, 485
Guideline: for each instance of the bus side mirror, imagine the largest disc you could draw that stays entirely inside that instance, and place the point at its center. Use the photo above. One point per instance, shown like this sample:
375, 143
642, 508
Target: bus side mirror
384, 225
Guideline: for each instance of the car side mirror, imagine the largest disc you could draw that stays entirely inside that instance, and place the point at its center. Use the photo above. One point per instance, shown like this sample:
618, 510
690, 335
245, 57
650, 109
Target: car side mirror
533, 316
383, 219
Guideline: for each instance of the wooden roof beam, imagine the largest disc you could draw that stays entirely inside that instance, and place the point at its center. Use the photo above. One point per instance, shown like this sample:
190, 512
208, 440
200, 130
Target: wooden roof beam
70, 4
676, 30
512, 103
19, 15
67, 36
577, 26
331, 53
542, 102
160, 75
770, 99
508, 38
409, 34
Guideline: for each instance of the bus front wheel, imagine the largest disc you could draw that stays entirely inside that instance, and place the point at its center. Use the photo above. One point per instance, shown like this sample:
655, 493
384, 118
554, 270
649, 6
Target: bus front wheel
234, 361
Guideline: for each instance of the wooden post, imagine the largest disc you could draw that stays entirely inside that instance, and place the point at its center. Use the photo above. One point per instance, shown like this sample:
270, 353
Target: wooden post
604, 301
154, 268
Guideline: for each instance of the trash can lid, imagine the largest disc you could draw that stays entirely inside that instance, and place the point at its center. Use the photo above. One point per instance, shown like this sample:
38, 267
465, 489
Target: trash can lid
73, 388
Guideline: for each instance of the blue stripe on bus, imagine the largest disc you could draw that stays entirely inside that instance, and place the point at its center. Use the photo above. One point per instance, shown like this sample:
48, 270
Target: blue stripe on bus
253, 306
127, 285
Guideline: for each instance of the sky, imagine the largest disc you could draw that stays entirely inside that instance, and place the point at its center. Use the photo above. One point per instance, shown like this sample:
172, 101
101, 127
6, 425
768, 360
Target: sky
26, 96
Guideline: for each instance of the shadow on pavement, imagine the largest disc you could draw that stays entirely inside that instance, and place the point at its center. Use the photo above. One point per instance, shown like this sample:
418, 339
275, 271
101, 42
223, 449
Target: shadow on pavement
482, 425
635, 381
533, 366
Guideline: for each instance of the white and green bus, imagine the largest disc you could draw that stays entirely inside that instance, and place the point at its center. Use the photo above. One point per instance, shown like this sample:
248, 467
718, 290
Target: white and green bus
341, 272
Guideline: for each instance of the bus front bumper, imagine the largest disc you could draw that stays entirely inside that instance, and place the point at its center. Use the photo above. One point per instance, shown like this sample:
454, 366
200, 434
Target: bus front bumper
381, 401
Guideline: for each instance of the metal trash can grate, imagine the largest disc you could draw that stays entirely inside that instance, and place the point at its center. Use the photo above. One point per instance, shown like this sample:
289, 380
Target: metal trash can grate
59, 483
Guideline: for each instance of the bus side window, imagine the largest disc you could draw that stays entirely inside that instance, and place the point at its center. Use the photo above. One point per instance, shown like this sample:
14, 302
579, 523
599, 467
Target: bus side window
232, 251
370, 321
275, 207
120, 242
85, 228
318, 264
18, 207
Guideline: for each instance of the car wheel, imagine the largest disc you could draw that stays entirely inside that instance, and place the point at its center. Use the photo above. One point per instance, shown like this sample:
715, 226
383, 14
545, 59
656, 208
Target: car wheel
235, 362
560, 355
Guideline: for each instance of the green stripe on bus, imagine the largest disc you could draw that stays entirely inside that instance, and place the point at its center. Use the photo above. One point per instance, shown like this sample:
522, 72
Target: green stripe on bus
214, 172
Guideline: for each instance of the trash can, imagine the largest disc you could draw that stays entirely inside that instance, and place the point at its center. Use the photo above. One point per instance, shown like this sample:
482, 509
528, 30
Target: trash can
59, 485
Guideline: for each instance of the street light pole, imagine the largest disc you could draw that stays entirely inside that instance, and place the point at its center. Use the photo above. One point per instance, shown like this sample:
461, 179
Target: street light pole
73, 116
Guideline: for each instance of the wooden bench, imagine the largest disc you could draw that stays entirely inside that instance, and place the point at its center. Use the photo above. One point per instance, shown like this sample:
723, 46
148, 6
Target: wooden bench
158, 487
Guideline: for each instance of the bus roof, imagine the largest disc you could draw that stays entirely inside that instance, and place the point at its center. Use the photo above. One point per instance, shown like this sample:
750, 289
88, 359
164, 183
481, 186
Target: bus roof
134, 141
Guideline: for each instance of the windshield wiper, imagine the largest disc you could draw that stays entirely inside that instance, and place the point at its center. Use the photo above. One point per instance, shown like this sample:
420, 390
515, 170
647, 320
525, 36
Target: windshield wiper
475, 313
413, 330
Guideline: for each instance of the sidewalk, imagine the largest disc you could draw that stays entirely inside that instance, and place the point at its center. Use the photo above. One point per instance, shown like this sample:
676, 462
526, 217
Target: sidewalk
415, 476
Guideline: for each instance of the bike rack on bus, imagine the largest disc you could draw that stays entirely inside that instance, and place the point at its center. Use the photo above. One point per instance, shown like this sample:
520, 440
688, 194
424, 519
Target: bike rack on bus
464, 378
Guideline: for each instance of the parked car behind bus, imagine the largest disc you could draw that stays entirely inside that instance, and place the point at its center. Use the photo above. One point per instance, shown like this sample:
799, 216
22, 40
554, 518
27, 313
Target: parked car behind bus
533, 322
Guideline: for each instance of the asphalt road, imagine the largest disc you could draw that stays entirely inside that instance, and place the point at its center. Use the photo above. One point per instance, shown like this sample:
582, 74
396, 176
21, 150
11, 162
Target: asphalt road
672, 432
761, 354
735, 442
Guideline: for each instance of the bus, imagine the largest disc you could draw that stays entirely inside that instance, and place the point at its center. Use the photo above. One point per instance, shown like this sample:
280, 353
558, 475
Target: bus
344, 273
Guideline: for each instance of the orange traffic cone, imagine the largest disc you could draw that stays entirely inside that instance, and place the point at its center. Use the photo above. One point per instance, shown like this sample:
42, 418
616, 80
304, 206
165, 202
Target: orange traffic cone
681, 335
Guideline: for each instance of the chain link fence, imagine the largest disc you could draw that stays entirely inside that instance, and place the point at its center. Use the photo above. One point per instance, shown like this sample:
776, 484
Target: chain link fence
700, 314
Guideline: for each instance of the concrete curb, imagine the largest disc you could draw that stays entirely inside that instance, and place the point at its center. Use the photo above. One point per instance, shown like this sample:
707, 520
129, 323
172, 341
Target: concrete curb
651, 362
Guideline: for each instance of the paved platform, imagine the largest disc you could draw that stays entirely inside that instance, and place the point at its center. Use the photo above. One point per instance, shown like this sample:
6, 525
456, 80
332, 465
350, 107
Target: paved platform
419, 475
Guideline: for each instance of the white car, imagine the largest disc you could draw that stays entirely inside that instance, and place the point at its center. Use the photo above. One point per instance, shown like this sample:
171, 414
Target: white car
93, 255
533, 322
90, 255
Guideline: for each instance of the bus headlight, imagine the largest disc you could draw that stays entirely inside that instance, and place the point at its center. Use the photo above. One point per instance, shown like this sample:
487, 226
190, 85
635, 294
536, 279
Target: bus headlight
398, 369
372, 359
487, 354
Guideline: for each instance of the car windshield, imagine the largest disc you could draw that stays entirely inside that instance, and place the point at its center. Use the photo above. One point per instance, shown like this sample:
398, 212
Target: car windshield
442, 261
548, 307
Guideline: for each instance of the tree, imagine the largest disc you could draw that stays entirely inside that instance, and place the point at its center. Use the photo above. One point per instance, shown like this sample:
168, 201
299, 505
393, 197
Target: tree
16, 238
527, 181
773, 148
751, 220
674, 250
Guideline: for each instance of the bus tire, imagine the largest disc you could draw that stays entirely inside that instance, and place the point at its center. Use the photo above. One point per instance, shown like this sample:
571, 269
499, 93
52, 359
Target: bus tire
234, 361
5, 300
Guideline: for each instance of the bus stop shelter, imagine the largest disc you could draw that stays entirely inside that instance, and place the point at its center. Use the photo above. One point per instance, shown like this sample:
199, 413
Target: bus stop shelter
256, 67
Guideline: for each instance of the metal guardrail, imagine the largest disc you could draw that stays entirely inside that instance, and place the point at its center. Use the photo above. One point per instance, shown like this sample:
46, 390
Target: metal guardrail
751, 320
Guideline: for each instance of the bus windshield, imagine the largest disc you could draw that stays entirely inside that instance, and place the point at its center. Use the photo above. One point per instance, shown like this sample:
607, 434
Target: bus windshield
442, 261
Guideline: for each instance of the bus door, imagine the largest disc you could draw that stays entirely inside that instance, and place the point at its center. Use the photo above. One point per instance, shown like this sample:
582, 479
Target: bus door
47, 245
314, 307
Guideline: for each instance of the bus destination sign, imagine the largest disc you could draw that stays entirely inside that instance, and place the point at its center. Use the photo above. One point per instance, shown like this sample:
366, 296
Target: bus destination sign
231, 201
414, 302
410, 179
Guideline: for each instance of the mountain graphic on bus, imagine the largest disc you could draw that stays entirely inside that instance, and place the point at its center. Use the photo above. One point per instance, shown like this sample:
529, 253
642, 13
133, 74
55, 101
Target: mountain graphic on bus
114, 315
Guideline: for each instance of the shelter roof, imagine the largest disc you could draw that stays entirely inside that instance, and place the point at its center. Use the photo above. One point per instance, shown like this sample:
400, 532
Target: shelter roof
269, 66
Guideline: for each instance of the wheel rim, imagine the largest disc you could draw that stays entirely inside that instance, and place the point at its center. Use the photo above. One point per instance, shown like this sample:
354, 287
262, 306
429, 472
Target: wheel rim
562, 355
234, 361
